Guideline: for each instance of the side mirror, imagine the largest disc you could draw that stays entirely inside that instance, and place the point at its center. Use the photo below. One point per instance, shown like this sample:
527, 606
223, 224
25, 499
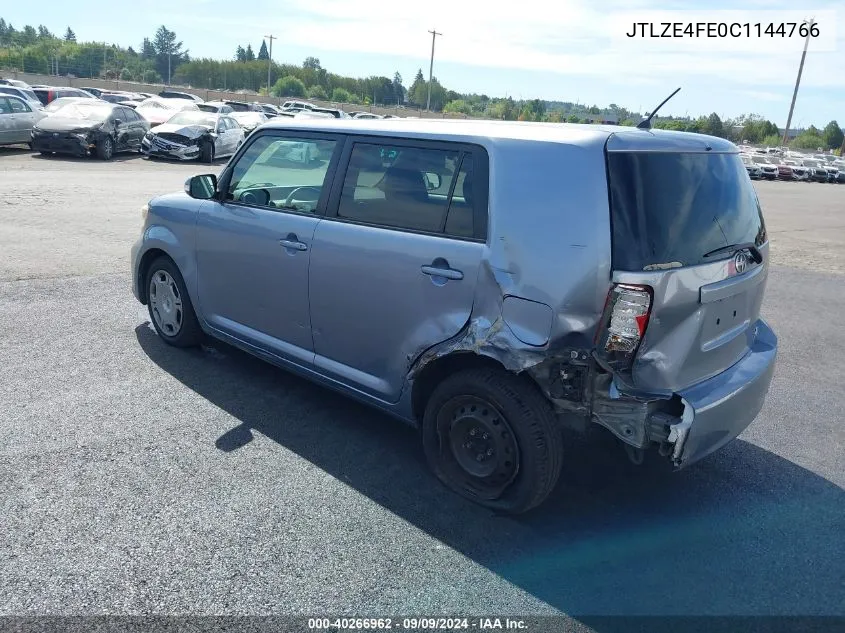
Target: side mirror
432, 180
118, 121
202, 187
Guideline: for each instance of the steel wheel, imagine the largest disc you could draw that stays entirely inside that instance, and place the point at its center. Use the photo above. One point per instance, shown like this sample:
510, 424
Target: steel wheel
166, 303
478, 445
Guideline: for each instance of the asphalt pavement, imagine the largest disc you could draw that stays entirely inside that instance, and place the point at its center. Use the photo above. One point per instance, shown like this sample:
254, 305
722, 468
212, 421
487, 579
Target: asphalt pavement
140, 479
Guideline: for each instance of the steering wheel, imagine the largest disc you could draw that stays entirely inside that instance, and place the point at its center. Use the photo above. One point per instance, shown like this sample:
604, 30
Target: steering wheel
259, 197
292, 195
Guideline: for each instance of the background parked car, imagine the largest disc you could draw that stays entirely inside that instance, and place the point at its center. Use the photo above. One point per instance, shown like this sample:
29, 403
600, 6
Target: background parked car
22, 93
817, 169
767, 166
87, 127
753, 169
215, 107
269, 109
174, 94
243, 106
302, 105
17, 118
47, 94
194, 135
249, 120
799, 172
158, 110
17, 83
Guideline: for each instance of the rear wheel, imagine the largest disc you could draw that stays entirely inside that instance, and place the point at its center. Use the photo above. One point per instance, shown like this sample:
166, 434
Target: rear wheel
492, 437
105, 148
169, 305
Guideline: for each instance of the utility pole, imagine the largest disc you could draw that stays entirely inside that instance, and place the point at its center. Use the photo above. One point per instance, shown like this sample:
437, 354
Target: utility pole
809, 24
434, 34
269, 61
168, 67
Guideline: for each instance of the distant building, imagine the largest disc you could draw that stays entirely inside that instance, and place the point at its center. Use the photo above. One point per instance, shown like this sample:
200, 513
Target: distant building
792, 133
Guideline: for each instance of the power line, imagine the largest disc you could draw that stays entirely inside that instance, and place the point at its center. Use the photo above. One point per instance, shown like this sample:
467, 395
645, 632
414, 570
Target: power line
434, 34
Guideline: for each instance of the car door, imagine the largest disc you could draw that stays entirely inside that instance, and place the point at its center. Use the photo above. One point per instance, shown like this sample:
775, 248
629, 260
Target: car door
21, 120
6, 122
138, 127
395, 262
253, 245
221, 144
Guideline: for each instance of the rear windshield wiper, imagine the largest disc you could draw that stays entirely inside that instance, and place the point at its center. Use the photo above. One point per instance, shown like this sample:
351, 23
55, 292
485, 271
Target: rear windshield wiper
751, 246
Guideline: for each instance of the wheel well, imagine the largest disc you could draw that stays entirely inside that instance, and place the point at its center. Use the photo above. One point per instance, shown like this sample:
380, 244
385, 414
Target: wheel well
438, 370
148, 258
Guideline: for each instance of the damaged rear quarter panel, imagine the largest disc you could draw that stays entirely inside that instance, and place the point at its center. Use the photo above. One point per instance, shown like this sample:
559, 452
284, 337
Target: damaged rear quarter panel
549, 243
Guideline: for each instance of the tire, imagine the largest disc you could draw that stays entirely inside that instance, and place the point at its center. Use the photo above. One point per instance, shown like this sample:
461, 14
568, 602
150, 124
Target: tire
105, 148
492, 437
207, 153
171, 311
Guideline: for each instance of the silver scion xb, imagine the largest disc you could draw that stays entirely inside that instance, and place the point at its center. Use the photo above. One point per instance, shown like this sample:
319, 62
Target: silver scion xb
491, 283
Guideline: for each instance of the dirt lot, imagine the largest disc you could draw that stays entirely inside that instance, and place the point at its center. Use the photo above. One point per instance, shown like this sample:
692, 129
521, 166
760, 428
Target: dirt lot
136, 479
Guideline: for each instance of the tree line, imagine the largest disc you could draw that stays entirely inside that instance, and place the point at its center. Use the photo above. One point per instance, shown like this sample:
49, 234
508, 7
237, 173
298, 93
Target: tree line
163, 58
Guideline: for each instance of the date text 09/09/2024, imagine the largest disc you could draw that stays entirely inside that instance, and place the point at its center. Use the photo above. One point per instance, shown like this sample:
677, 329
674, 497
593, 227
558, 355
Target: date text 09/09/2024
416, 624
723, 29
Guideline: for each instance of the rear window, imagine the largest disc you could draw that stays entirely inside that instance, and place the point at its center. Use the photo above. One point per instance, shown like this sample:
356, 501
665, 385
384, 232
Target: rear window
670, 209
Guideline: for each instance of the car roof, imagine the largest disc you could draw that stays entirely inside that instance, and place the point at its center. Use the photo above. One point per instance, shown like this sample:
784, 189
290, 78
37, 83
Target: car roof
618, 138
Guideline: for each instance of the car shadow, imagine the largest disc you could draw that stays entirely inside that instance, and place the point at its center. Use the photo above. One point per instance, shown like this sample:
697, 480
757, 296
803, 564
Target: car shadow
122, 157
744, 532
14, 150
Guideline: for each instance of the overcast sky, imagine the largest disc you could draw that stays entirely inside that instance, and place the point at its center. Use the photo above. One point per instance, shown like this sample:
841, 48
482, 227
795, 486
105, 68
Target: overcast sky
570, 50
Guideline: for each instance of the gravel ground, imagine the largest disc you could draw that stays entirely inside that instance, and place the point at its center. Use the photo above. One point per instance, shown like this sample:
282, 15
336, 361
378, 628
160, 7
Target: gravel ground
139, 479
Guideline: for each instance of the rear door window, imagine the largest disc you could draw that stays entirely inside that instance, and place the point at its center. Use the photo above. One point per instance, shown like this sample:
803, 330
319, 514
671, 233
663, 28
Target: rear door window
400, 187
670, 209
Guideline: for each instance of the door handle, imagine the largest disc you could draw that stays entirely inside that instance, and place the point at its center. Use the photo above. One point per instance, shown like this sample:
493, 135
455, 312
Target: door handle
438, 269
293, 244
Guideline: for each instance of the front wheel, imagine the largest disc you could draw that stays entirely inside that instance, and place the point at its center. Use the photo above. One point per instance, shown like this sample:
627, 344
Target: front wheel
105, 148
492, 437
169, 305
207, 152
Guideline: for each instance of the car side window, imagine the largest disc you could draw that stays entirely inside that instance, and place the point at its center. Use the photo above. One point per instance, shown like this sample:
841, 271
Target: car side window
282, 173
399, 187
19, 106
5, 106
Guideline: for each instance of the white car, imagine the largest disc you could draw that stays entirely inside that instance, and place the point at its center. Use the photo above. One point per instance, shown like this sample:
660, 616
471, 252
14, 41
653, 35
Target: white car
158, 110
249, 120
301, 105
23, 93
753, 169
216, 107
768, 166
194, 135
799, 172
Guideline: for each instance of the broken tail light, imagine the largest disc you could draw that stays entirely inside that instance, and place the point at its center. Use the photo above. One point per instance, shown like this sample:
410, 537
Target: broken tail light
623, 324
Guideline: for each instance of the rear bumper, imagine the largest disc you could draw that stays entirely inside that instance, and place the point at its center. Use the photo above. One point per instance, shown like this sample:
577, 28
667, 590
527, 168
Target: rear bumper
725, 405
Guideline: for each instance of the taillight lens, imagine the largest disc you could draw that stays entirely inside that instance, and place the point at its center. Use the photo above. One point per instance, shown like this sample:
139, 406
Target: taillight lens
623, 324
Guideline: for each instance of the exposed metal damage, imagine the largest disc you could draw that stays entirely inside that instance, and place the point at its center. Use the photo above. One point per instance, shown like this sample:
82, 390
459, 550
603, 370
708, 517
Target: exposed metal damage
580, 388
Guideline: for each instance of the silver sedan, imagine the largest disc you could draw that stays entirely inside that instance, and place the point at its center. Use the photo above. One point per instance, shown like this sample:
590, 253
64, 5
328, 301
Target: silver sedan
17, 117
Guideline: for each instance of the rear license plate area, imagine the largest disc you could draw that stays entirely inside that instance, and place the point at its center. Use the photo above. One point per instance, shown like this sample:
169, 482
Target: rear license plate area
724, 320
